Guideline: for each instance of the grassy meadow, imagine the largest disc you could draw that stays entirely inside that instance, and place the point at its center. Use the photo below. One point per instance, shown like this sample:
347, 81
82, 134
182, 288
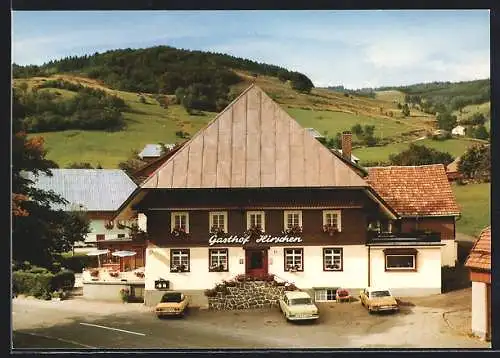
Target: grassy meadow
454, 146
475, 204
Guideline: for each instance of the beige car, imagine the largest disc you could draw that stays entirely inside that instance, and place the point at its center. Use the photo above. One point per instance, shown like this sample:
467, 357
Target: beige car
172, 304
298, 305
378, 299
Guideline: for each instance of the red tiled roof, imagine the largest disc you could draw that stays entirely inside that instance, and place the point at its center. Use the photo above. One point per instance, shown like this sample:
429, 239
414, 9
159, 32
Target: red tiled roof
480, 255
415, 190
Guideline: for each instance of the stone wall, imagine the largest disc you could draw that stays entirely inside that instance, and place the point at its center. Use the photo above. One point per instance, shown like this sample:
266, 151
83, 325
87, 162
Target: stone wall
247, 295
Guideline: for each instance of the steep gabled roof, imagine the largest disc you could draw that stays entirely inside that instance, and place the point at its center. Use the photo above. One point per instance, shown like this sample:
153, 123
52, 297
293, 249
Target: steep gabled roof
415, 190
253, 143
480, 255
87, 189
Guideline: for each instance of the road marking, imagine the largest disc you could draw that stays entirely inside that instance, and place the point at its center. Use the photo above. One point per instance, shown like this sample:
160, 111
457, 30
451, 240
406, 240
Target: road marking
112, 329
56, 338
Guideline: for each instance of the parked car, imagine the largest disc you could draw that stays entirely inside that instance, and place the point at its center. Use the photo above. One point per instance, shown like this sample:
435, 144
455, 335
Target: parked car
172, 304
298, 305
378, 299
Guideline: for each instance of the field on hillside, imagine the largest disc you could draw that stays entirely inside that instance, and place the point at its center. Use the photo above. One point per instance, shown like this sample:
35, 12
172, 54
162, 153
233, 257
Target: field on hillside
455, 147
390, 96
333, 122
475, 205
146, 123
468, 111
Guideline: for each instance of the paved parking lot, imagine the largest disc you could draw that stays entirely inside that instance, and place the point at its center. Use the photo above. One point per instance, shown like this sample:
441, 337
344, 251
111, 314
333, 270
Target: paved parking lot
82, 324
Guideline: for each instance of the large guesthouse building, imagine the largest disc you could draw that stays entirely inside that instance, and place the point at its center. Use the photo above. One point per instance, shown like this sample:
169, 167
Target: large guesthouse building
254, 193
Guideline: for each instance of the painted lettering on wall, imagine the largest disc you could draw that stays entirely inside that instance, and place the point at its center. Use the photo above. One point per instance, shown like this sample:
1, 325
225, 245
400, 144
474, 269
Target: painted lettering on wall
242, 240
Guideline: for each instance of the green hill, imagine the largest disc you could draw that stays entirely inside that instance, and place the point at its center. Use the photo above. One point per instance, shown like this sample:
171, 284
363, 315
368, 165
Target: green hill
168, 92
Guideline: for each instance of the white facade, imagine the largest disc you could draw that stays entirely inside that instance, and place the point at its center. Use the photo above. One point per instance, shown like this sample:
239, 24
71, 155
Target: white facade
449, 253
97, 227
480, 311
354, 275
425, 280
458, 130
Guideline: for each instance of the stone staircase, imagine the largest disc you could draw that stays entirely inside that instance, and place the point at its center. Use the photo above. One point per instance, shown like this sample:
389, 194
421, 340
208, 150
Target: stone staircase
247, 294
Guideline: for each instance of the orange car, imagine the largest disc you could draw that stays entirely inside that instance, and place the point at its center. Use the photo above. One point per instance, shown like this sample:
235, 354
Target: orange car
172, 304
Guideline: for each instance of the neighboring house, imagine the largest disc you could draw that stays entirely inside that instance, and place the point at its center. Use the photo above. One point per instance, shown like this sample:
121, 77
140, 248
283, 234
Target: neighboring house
146, 170
315, 133
452, 170
458, 130
99, 192
154, 151
255, 166
424, 201
479, 264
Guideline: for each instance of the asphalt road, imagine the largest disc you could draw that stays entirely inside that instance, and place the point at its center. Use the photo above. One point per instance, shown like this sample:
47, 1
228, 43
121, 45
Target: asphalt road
41, 325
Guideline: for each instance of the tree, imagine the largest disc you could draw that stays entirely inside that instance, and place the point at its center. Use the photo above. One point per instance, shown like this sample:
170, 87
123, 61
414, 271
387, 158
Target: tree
357, 130
480, 132
420, 155
476, 163
39, 232
446, 121
405, 110
301, 83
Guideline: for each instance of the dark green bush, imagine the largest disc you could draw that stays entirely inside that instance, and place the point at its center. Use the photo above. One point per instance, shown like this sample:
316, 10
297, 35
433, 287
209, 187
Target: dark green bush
64, 280
34, 284
77, 263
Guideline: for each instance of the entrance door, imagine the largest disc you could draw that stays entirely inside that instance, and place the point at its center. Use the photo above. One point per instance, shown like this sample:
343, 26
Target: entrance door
256, 262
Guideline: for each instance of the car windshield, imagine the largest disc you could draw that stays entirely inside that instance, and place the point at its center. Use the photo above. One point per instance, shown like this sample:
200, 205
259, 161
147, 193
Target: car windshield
300, 301
172, 297
380, 294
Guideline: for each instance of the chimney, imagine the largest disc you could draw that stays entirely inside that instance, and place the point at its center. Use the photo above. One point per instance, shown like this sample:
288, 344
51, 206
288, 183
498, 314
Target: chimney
347, 145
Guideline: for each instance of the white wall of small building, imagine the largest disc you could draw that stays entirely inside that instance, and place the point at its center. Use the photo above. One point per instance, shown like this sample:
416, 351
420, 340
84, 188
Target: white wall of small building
424, 281
449, 253
479, 309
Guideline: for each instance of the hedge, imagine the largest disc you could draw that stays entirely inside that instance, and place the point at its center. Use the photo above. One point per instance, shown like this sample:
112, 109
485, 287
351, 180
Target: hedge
34, 284
64, 280
41, 284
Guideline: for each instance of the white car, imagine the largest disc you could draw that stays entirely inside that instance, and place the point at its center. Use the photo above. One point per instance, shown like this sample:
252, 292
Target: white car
298, 305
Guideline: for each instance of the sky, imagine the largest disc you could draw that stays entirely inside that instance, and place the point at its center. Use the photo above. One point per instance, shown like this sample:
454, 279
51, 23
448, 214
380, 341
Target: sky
355, 49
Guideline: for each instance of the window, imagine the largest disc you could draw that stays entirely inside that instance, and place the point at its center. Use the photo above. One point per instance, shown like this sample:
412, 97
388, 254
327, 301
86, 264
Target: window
99, 237
399, 262
218, 221
292, 219
294, 259
218, 260
120, 236
256, 219
179, 220
179, 260
331, 218
325, 294
332, 259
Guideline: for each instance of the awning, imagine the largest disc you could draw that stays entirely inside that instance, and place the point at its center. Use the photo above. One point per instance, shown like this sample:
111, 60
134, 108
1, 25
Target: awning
124, 253
97, 252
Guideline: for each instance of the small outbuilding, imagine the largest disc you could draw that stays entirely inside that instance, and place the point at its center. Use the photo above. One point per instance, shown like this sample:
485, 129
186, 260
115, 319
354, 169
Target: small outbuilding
458, 130
479, 264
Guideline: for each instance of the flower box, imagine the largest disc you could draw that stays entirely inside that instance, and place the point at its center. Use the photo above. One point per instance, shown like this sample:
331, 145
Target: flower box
330, 229
295, 230
139, 274
178, 268
179, 232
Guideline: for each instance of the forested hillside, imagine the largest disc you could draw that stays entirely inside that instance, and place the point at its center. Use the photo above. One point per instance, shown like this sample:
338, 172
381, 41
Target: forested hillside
445, 96
200, 80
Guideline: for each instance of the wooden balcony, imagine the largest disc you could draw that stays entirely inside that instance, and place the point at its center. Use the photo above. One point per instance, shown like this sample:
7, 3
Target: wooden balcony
415, 236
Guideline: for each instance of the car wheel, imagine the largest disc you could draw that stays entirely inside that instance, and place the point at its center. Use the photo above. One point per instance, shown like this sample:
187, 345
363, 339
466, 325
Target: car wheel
370, 310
